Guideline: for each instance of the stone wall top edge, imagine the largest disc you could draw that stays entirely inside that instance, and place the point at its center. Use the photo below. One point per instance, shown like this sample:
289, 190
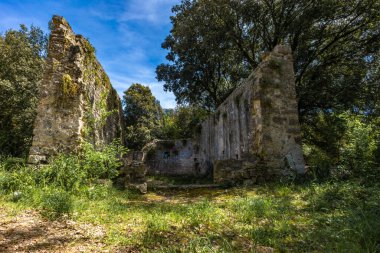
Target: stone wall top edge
59, 21
278, 50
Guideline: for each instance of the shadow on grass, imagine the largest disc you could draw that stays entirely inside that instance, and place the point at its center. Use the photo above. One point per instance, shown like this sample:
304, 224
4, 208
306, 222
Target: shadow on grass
328, 217
31, 238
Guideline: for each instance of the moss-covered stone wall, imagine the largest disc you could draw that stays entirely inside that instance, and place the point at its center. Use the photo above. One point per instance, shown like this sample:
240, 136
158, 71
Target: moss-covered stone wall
77, 101
255, 133
253, 136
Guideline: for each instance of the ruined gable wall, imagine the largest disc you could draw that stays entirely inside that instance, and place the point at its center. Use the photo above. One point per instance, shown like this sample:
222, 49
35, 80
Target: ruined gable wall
255, 132
77, 101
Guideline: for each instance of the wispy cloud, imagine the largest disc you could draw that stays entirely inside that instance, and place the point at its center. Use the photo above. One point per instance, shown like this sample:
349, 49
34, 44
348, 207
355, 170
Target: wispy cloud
119, 82
126, 34
153, 11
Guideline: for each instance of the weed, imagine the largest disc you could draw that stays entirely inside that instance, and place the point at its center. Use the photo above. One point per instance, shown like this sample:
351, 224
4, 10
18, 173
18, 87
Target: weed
55, 204
311, 217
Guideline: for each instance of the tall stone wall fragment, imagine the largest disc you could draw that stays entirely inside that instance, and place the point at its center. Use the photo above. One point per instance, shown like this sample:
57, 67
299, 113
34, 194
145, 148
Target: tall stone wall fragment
257, 126
77, 101
253, 135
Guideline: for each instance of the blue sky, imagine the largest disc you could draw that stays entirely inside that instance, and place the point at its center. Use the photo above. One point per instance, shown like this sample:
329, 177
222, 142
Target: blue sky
127, 34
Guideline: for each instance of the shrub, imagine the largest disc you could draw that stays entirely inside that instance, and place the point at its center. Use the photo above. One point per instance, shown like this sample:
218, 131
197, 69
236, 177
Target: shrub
320, 164
16, 180
55, 204
359, 148
71, 172
65, 172
352, 153
101, 163
97, 192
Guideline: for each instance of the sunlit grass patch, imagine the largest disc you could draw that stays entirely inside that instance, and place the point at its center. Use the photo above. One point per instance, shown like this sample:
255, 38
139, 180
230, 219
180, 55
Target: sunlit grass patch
313, 217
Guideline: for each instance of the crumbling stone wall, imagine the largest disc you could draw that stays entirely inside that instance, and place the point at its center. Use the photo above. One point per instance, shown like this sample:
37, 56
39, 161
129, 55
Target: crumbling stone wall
134, 171
255, 132
77, 101
174, 158
253, 135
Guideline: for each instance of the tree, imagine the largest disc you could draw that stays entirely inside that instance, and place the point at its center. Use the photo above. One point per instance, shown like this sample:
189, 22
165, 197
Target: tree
143, 115
22, 60
215, 43
182, 123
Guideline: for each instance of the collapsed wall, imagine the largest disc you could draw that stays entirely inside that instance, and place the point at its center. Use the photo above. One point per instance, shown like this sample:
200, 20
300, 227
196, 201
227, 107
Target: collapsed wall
173, 158
77, 101
253, 135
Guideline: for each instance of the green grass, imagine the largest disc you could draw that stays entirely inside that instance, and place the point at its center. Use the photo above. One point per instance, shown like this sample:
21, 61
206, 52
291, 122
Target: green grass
180, 180
312, 217
326, 217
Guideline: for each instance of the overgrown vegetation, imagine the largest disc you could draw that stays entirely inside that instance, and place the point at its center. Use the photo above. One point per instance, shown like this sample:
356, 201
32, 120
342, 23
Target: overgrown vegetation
319, 217
69, 88
213, 44
333, 212
343, 146
50, 188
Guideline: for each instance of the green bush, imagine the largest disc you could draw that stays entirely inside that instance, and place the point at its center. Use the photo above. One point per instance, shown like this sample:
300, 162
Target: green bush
97, 192
101, 163
354, 152
320, 164
16, 180
71, 172
64, 171
55, 204
359, 148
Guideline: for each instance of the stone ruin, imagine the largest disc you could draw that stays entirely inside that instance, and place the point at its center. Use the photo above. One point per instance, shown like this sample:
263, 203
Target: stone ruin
253, 136
173, 158
77, 101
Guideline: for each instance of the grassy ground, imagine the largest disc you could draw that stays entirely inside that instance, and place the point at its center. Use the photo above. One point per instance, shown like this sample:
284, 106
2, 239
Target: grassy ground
328, 217
180, 180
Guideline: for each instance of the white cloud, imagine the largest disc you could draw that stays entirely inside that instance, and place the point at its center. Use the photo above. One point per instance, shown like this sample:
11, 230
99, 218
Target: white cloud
127, 35
122, 82
138, 23
153, 11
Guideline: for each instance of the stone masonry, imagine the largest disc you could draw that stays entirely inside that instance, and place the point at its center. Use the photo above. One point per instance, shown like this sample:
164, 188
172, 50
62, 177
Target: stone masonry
253, 135
77, 101
174, 158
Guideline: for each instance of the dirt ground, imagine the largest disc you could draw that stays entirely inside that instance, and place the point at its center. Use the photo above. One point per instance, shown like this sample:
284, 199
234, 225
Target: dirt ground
28, 232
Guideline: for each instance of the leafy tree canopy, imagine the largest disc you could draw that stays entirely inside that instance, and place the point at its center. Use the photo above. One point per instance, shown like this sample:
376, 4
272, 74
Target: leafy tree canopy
183, 122
143, 115
22, 60
215, 43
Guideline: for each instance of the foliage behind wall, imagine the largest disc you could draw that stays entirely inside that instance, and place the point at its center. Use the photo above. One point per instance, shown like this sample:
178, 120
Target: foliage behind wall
22, 60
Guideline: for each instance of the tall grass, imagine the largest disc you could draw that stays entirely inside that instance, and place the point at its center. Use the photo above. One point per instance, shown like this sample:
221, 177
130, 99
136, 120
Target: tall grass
338, 216
50, 188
